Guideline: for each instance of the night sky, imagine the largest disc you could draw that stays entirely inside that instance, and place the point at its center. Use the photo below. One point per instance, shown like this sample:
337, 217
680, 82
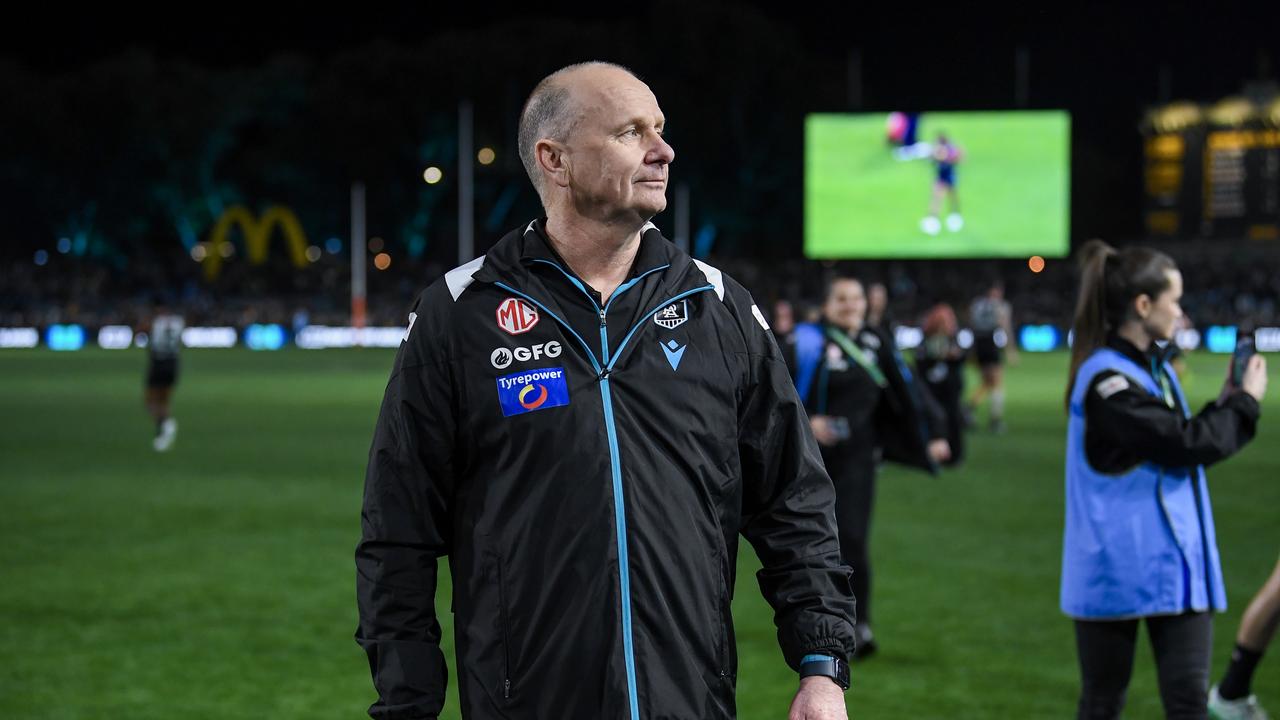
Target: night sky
1106, 65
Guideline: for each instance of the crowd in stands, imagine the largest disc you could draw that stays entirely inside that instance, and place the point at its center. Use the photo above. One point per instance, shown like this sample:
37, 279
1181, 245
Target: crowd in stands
1231, 285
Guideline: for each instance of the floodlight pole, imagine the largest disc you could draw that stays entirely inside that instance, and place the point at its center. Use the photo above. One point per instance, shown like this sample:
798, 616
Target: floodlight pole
358, 254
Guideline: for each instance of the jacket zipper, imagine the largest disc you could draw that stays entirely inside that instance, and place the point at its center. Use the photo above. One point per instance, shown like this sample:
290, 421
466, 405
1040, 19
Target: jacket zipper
603, 367
721, 615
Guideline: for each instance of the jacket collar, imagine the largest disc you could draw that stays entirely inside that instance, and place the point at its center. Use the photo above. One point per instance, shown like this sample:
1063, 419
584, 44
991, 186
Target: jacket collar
512, 258
1142, 357
654, 251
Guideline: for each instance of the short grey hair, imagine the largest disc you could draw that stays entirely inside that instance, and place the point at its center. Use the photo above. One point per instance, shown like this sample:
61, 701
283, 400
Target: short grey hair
550, 112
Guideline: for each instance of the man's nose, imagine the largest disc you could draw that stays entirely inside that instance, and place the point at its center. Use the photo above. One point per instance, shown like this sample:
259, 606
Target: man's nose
661, 152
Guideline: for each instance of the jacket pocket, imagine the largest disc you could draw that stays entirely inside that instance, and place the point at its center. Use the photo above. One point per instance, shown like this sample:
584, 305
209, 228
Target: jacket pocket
723, 616
505, 620
723, 612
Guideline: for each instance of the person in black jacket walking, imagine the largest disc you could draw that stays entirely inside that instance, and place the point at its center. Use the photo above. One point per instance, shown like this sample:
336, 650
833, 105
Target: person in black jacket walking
583, 421
940, 367
865, 405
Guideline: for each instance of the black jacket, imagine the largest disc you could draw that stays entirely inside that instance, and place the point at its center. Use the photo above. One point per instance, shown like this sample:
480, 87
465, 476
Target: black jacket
1126, 425
587, 477
894, 422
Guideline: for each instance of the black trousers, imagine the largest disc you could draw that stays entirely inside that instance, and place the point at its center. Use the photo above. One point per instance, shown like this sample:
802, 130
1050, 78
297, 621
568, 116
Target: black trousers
853, 472
1182, 646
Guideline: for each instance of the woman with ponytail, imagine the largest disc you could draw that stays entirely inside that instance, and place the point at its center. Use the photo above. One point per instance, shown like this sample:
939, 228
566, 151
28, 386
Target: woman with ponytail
1139, 541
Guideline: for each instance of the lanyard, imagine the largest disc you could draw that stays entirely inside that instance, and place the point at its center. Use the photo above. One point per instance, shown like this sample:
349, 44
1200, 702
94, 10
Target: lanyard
1165, 387
858, 354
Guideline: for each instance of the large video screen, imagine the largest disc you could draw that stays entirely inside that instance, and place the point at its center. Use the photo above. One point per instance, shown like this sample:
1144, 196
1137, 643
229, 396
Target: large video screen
944, 184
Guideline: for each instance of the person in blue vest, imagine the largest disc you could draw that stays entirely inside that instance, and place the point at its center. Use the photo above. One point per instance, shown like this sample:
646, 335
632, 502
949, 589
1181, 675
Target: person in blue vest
864, 405
1139, 542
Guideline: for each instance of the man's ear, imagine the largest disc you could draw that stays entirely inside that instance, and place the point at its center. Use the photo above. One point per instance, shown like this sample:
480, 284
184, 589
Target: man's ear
553, 160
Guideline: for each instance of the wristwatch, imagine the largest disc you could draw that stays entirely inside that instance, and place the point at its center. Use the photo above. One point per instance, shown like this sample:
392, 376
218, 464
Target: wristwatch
827, 666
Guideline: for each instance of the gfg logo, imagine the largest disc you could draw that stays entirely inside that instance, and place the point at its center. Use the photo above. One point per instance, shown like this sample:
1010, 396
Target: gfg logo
503, 357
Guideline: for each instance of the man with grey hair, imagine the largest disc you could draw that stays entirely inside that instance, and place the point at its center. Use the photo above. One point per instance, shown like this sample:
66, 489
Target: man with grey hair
583, 420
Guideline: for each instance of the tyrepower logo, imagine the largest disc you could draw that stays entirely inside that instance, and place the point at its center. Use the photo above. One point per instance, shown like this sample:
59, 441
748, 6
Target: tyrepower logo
502, 358
517, 316
531, 390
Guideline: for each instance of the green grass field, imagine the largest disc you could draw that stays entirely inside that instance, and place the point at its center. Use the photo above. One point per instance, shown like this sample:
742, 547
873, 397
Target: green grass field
217, 581
1013, 187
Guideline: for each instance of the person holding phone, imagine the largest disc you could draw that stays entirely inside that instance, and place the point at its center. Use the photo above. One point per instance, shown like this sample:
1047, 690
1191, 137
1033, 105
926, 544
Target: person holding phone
1139, 542
863, 404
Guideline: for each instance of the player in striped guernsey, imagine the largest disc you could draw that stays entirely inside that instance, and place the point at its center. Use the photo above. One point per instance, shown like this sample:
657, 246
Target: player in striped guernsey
165, 339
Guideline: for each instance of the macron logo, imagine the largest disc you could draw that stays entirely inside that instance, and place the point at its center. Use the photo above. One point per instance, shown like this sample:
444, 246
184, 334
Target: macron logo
674, 352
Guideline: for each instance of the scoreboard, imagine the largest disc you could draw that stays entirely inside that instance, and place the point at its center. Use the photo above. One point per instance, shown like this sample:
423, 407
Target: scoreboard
1213, 172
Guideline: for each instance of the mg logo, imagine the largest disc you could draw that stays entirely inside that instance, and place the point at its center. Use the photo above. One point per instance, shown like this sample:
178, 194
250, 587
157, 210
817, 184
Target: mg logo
517, 316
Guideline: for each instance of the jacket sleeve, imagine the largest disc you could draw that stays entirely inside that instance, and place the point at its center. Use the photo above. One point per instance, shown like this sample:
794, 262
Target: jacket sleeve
405, 528
789, 504
934, 412
907, 417
1130, 417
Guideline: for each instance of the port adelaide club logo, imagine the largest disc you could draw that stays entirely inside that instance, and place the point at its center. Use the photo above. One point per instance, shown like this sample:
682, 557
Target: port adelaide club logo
673, 315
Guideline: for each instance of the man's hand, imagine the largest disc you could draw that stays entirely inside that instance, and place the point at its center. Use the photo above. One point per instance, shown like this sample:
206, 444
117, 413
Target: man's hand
939, 450
819, 698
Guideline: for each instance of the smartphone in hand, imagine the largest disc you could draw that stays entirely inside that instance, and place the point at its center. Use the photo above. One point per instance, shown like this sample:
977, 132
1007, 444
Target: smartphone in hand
840, 428
1245, 349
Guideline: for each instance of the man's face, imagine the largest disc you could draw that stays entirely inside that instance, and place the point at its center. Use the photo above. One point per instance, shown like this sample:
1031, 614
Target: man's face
617, 160
877, 298
846, 305
784, 317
